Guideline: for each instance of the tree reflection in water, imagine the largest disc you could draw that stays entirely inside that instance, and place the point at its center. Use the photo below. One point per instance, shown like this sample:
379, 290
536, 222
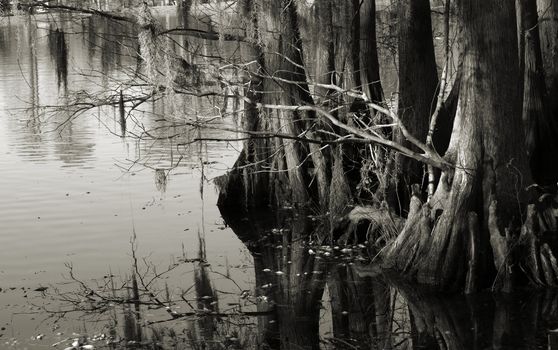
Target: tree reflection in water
303, 288
370, 310
58, 49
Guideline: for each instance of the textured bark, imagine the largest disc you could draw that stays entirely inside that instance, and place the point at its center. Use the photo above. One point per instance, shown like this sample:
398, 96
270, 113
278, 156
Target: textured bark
501, 250
318, 35
369, 65
534, 80
548, 274
489, 160
548, 29
282, 58
340, 196
539, 119
444, 124
342, 43
249, 183
471, 283
402, 252
530, 247
282, 27
456, 240
549, 265
418, 79
276, 171
346, 21
520, 20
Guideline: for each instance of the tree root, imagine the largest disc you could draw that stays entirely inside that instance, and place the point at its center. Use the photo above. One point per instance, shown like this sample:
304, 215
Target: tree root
501, 249
444, 248
471, 284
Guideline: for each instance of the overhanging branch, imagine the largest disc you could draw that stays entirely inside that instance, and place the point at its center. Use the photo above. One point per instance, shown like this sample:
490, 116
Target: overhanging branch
429, 157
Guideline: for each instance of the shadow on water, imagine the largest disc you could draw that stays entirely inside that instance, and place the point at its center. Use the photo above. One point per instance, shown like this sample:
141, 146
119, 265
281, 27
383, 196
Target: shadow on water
366, 309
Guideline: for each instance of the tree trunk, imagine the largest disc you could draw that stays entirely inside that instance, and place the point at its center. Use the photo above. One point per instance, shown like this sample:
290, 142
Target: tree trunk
283, 59
418, 84
540, 125
548, 29
276, 170
317, 34
369, 65
490, 163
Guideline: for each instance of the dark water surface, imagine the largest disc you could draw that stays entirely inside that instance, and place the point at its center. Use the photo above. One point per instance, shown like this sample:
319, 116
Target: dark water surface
74, 194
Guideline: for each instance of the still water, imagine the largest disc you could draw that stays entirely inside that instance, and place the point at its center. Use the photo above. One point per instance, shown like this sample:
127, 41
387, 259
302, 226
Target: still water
82, 209
76, 194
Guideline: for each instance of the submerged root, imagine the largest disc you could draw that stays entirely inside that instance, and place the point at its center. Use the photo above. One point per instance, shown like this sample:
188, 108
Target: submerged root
536, 242
471, 283
501, 249
375, 225
530, 248
401, 252
442, 248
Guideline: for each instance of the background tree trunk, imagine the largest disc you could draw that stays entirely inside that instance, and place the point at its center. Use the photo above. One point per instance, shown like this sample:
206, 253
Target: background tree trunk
539, 118
418, 84
369, 65
548, 29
